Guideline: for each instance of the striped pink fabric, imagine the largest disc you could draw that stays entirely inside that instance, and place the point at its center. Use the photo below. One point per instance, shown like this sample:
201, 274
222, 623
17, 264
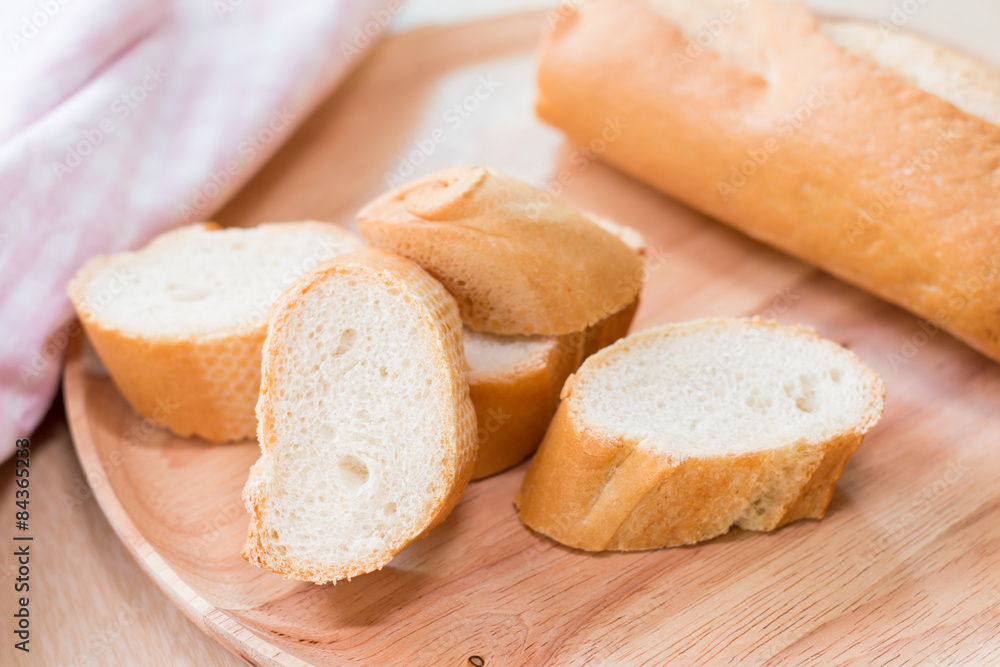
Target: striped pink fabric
122, 118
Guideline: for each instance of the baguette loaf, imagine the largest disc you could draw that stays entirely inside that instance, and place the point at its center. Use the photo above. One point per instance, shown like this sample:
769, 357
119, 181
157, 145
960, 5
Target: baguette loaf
872, 156
366, 430
676, 434
179, 324
516, 260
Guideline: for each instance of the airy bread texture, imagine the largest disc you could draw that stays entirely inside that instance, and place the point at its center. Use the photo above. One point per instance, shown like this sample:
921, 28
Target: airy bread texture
180, 323
676, 434
516, 260
872, 157
366, 429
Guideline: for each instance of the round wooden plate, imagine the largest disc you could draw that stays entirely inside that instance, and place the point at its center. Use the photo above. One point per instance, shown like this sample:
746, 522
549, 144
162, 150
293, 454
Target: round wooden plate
903, 568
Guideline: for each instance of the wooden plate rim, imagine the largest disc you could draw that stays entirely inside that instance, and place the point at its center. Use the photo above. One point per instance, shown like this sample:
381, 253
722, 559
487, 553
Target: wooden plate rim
215, 622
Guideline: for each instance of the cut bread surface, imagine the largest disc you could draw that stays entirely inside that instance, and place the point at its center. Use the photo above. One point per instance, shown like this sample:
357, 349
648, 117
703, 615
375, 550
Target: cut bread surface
180, 323
366, 428
200, 280
676, 434
718, 386
495, 354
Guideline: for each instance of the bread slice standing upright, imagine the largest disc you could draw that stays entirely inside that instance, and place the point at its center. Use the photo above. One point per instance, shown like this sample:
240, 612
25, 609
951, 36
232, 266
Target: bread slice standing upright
366, 429
179, 324
676, 434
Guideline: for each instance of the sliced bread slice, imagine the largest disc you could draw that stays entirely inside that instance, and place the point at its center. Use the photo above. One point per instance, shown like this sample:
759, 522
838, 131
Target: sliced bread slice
366, 429
514, 382
516, 260
676, 434
179, 324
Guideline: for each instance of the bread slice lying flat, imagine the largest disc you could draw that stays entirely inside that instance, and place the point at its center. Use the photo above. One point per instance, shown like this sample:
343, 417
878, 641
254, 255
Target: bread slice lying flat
677, 434
516, 260
179, 324
366, 430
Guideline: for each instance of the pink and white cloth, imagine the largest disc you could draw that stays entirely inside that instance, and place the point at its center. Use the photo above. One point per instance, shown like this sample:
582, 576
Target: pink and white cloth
122, 118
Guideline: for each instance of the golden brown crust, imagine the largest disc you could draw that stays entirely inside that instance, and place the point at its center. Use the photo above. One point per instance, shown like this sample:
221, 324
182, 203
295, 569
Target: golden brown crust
204, 386
516, 260
880, 183
193, 387
439, 313
609, 330
595, 490
513, 409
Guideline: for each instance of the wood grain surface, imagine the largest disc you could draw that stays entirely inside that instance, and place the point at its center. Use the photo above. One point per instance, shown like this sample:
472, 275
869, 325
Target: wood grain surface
91, 603
905, 569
